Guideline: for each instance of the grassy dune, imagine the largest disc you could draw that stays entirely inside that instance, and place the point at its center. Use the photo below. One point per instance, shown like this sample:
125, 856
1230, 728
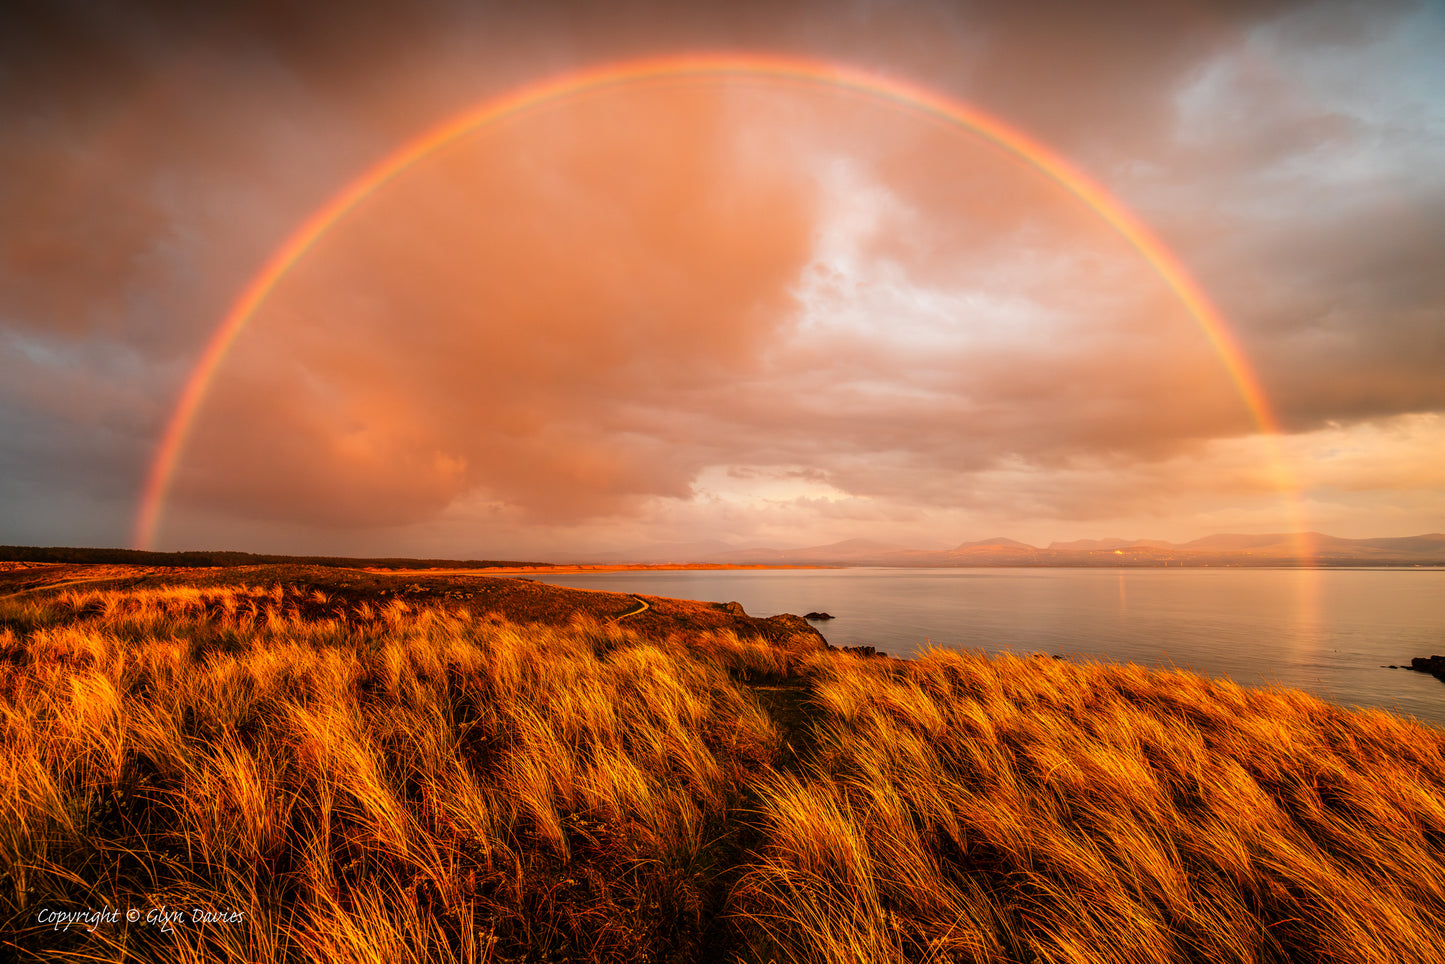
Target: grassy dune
354, 779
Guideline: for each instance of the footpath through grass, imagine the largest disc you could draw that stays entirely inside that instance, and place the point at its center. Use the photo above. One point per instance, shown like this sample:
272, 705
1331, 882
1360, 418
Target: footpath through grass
356, 777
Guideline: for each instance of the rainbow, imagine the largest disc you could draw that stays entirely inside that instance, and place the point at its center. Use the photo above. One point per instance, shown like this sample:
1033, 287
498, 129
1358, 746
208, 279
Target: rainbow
791, 69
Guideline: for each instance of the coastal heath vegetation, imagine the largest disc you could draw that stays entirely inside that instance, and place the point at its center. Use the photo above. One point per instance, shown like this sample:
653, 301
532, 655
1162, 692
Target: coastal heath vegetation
365, 779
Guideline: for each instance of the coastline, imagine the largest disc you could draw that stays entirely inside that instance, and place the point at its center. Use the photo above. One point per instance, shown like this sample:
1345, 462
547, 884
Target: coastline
585, 568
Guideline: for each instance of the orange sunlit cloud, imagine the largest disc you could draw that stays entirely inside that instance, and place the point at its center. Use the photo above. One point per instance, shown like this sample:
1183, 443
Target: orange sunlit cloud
579, 312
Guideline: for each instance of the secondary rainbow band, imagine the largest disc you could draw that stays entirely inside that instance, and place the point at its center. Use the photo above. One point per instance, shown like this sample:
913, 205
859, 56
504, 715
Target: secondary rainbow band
894, 92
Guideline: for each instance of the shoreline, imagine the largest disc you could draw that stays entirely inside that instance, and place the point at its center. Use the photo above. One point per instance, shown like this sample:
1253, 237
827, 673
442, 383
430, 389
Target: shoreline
585, 568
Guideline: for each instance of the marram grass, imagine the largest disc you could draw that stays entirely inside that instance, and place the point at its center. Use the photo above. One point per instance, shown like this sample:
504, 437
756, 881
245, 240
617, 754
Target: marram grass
385, 782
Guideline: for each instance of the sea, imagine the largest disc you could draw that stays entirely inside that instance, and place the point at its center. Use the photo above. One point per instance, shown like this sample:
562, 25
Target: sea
1331, 632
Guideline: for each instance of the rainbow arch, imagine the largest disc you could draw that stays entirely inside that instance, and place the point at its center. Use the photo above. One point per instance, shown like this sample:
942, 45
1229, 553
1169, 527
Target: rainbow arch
800, 70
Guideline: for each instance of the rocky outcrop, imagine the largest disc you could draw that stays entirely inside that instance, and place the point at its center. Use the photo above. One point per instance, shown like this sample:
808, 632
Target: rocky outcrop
785, 625
818, 616
1434, 665
777, 628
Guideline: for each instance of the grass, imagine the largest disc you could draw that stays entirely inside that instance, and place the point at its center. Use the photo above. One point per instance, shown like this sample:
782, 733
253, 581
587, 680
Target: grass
382, 779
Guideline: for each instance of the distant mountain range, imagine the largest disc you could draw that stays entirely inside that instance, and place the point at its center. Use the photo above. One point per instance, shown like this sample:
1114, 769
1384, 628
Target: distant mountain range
1274, 549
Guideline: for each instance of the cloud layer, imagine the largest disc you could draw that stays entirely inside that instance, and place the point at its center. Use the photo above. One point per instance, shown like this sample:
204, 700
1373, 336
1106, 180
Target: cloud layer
748, 312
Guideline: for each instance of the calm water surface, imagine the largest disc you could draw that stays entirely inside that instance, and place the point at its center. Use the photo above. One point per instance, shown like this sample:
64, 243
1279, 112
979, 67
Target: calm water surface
1325, 631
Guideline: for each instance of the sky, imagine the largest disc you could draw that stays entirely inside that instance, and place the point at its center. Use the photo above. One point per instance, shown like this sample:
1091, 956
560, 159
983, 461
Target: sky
740, 311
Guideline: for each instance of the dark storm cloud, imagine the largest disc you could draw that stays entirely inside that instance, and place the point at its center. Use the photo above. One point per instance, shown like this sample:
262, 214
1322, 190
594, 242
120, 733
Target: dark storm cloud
115, 112
1323, 245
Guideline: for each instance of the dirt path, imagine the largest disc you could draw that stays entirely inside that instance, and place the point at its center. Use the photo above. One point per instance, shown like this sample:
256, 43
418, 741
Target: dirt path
789, 703
642, 608
56, 585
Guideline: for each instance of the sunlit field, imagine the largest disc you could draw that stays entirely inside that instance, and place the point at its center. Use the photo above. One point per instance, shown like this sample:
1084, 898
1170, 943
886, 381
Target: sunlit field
343, 779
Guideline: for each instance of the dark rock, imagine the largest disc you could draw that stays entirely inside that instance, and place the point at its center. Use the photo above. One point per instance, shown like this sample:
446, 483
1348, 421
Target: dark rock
866, 651
1434, 665
818, 616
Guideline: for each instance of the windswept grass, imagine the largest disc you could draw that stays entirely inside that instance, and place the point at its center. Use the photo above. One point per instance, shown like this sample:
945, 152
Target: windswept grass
361, 783
1006, 809
378, 780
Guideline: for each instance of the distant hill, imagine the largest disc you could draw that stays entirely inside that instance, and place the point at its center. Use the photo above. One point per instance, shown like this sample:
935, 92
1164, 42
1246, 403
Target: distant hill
660, 552
1228, 542
1431, 542
228, 559
1085, 545
1081, 545
850, 552
998, 542
1224, 549
1326, 549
